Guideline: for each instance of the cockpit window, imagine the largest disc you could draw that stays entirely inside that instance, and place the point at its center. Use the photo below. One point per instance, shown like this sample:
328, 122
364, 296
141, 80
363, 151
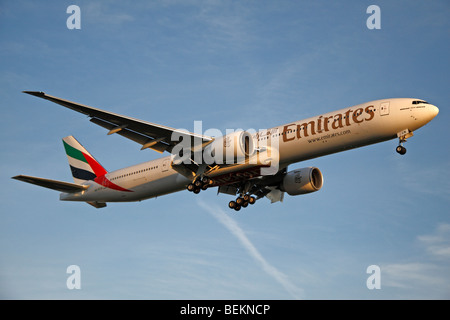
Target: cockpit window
419, 102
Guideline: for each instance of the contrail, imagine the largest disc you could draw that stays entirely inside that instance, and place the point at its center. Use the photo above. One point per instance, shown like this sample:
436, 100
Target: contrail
237, 231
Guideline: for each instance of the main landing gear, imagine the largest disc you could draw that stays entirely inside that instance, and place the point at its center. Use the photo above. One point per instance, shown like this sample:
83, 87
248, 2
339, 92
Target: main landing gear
241, 202
200, 184
203, 183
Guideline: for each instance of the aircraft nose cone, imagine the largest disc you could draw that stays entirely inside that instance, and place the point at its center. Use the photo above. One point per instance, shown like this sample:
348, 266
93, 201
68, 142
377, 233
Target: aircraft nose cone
434, 111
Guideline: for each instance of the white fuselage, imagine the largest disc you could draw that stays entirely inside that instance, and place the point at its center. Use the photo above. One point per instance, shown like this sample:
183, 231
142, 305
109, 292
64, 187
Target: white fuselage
344, 129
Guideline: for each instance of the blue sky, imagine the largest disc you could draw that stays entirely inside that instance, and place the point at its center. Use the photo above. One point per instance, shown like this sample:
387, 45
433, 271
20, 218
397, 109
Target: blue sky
231, 64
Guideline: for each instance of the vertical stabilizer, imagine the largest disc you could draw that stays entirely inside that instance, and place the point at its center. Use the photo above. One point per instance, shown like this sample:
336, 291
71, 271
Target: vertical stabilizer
82, 164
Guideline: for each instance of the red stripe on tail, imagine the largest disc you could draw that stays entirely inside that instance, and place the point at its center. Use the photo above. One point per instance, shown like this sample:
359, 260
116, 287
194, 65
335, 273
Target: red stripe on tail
98, 169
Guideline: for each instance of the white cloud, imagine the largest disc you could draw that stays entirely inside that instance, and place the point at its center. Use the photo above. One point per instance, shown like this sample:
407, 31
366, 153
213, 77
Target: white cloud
409, 275
237, 231
438, 243
97, 11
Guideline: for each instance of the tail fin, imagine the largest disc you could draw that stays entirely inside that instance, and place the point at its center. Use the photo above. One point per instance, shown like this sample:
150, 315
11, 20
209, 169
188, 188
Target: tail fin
82, 164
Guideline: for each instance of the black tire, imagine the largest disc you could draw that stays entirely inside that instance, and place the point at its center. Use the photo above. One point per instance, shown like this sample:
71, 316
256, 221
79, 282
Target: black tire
401, 150
231, 204
207, 181
198, 183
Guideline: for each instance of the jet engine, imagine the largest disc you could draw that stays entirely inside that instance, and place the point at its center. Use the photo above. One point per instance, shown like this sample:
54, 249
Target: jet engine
232, 148
301, 181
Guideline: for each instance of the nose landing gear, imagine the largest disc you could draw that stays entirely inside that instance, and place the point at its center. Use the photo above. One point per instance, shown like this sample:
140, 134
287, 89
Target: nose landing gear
402, 136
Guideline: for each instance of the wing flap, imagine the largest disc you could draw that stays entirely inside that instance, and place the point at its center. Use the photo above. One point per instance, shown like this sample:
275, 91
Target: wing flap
160, 146
52, 184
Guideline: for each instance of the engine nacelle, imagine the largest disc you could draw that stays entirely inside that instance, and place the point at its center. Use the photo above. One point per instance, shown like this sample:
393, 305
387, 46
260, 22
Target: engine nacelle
301, 181
232, 148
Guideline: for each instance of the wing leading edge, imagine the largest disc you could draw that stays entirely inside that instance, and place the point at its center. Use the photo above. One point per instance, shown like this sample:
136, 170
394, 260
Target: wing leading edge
149, 135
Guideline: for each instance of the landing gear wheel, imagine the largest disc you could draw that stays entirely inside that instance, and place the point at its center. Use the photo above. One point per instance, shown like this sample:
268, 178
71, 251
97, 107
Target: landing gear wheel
401, 150
237, 208
232, 204
245, 204
198, 183
190, 187
197, 190
252, 200
207, 181
239, 201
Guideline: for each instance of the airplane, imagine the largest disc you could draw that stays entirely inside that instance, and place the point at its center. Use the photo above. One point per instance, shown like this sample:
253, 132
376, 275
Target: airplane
233, 163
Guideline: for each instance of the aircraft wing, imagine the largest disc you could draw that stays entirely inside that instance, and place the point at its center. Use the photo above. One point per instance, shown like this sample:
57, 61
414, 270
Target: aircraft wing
149, 135
52, 184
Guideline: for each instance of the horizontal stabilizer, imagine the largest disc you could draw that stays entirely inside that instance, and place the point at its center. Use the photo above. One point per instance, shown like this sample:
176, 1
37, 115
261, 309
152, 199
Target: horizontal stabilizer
52, 184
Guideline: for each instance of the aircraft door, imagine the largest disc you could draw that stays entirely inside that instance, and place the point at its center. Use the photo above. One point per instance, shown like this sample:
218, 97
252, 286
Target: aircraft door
165, 165
384, 108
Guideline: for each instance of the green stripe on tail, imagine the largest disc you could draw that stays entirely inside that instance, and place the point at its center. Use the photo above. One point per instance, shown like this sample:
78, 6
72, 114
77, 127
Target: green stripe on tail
74, 153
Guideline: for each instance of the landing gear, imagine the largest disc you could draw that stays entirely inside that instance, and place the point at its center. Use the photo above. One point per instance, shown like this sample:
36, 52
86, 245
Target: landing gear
402, 136
241, 202
200, 184
203, 182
